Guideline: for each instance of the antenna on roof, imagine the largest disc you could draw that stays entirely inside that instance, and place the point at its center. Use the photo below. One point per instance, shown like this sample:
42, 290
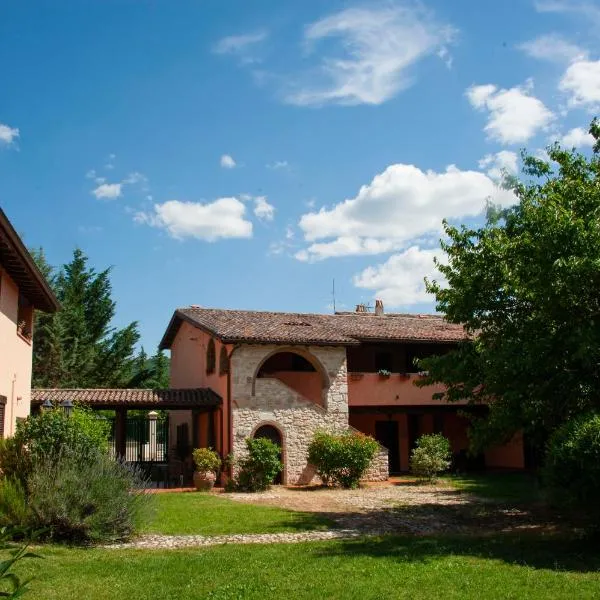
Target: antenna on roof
333, 294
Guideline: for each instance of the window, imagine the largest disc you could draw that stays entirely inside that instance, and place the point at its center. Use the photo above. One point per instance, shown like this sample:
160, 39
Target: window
223, 361
25, 318
211, 357
383, 361
2, 413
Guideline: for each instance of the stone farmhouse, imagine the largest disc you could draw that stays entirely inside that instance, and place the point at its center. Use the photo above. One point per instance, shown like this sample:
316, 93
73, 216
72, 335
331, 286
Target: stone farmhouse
286, 375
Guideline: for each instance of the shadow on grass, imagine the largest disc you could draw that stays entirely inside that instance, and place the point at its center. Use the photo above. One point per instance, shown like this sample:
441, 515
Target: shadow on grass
515, 487
553, 552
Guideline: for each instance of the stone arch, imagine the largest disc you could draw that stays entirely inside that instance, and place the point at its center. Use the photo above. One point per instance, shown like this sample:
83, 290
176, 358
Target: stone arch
304, 353
273, 431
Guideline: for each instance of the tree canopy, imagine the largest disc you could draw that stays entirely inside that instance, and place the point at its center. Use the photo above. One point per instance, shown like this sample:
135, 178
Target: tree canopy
526, 286
79, 346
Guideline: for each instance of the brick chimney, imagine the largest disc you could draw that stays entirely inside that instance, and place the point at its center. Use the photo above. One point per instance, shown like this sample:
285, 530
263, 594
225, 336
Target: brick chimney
361, 308
378, 307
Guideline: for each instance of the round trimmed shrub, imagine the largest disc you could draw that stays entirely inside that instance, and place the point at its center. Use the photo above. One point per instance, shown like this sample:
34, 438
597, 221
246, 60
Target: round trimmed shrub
431, 456
341, 459
257, 471
571, 472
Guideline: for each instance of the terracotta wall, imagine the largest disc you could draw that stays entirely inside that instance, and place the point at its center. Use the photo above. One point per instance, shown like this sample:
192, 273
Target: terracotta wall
508, 456
188, 370
371, 389
15, 357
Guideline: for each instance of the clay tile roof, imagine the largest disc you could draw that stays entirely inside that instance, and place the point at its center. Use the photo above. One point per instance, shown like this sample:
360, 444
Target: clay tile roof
131, 398
340, 329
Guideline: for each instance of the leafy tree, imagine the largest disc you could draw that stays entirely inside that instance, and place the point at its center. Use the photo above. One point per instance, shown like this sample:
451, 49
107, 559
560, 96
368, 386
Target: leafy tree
525, 286
78, 346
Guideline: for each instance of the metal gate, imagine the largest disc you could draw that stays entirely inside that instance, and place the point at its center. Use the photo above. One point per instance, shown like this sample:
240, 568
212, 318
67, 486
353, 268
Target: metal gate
146, 444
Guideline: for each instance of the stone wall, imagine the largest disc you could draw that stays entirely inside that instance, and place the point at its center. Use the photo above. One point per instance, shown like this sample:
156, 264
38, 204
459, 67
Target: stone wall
257, 402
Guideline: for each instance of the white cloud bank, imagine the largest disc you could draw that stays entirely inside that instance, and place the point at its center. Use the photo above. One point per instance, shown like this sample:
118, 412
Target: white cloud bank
221, 219
108, 191
577, 137
397, 206
581, 84
554, 48
369, 54
8, 135
227, 162
495, 165
514, 115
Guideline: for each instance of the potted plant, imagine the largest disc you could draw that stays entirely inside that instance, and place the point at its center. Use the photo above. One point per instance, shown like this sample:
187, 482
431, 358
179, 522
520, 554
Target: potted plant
207, 463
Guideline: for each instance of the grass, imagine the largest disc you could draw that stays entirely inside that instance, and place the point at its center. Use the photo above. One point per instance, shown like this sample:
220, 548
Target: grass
375, 568
504, 487
207, 514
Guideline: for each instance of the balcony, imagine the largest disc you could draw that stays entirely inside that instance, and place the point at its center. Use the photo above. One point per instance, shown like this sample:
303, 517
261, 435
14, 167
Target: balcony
395, 389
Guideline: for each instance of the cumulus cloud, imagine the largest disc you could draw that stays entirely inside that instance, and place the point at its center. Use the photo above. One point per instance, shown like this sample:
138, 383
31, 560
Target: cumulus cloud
8, 135
586, 8
370, 52
227, 162
554, 48
108, 191
495, 165
581, 83
577, 137
262, 209
398, 205
514, 115
221, 219
400, 280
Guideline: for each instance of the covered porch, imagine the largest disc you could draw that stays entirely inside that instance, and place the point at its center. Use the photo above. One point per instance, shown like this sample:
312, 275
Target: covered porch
149, 428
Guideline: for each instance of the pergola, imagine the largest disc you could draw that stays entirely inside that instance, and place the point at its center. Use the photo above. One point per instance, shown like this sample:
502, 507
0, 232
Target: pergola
198, 400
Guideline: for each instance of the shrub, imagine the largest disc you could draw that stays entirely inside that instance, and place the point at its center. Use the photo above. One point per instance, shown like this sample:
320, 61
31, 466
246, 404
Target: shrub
14, 512
431, 456
571, 472
206, 460
50, 434
341, 459
100, 500
258, 470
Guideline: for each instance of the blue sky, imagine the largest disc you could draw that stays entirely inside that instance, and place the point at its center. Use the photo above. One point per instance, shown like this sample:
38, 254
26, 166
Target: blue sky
243, 155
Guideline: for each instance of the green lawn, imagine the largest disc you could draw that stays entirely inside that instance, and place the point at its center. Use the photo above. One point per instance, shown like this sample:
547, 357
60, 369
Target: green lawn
503, 487
376, 568
207, 514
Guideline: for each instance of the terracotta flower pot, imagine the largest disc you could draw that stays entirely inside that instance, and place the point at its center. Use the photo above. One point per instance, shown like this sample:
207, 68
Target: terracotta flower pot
205, 481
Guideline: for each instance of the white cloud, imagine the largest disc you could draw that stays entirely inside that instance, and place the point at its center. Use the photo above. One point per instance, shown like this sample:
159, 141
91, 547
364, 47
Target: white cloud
554, 48
398, 205
586, 8
221, 219
237, 44
399, 281
515, 115
578, 138
278, 164
8, 134
135, 177
110, 162
227, 162
496, 164
108, 191
581, 82
376, 48
262, 209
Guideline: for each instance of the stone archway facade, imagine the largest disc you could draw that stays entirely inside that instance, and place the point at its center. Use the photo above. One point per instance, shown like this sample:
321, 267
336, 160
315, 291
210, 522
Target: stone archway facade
257, 401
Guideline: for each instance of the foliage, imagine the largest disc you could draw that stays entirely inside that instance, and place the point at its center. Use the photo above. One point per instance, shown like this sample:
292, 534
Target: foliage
341, 459
100, 500
49, 434
17, 587
525, 287
431, 456
572, 468
206, 460
258, 469
78, 346
384, 372
14, 512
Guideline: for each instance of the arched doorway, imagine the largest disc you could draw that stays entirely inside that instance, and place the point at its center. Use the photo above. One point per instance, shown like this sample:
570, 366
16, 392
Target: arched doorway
271, 432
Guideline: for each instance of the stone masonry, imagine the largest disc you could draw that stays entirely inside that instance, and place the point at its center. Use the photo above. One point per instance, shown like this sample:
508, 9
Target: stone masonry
296, 417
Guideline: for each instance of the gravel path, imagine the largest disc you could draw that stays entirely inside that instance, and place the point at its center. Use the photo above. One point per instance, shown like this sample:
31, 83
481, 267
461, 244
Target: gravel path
155, 542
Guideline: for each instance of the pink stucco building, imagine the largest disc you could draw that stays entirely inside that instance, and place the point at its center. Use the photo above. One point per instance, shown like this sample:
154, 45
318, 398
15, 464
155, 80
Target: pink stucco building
286, 375
22, 289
